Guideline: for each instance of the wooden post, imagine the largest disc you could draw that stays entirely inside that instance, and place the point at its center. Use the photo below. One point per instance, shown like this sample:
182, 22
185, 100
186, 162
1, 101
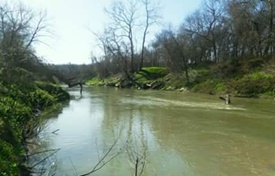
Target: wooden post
81, 87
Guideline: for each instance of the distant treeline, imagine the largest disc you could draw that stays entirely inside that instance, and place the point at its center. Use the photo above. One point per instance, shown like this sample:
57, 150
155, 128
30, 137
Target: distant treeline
219, 31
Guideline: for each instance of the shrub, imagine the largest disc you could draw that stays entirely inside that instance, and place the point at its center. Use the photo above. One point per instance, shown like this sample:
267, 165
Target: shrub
8, 159
211, 86
228, 69
255, 83
41, 98
54, 90
94, 81
153, 72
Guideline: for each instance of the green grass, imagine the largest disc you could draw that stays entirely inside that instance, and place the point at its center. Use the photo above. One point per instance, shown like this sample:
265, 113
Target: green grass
147, 74
216, 79
254, 83
173, 82
110, 81
94, 81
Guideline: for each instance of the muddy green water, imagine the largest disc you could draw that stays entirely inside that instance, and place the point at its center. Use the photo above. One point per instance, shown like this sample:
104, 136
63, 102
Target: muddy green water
177, 133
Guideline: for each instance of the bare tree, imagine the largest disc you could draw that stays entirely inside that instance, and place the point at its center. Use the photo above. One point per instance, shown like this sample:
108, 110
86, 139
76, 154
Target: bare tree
270, 32
151, 18
128, 18
175, 50
20, 27
124, 22
205, 23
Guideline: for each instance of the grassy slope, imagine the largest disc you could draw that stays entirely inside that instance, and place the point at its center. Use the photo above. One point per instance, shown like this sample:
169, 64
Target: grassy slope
17, 106
252, 78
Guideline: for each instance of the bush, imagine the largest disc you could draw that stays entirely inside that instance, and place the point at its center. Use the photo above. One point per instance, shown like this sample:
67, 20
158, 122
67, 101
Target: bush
8, 159
151, 73
255, 83
94, 81
211, 86
148, 74
41, 98
53, 90
17, 105
228, 69
14, 112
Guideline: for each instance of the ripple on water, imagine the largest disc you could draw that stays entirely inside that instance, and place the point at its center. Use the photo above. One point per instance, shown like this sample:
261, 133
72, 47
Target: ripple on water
152, 101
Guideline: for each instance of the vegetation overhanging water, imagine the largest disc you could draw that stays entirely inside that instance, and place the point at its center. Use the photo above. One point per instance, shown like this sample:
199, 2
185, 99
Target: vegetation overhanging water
226, 47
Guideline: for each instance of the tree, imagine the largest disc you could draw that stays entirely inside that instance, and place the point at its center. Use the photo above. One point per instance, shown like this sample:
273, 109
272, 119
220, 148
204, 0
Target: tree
150, 18
205, 24
252, 26
175, 51
270, 32
124, 21
19, 29
128, 18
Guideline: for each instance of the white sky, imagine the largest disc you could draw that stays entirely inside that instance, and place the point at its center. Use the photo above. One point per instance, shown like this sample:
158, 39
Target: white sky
70, 21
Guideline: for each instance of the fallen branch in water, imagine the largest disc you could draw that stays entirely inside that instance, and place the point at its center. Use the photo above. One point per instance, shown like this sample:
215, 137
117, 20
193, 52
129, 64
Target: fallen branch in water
44, 151
54, 132
102, 161
137, 156
73, 166
55, 151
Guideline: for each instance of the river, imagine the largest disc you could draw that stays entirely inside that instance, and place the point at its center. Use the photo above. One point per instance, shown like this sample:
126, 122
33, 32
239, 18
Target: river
171, 133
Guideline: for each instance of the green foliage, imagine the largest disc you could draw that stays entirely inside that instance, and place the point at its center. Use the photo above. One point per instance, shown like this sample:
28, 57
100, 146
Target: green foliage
16, 111
203, 80
221, 87
252, 64
94, 81
208, 86
17, 103
254, 83
41, 98
55, 91
8, 160
153, 72
197, 76
228, 69
142, 78
20, 96
109, 81
173, 82
13, 116
148, 74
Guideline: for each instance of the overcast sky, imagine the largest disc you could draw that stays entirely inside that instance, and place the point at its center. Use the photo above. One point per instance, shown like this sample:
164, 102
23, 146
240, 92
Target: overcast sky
70, 21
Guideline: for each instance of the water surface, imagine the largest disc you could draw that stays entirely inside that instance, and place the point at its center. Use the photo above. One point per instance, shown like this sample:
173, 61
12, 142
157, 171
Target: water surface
176, 133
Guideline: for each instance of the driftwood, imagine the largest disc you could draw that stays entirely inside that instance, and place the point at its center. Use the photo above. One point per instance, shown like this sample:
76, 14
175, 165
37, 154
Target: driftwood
54, 132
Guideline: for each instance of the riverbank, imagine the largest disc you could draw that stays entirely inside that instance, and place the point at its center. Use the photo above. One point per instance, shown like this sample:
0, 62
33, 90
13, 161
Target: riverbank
249, 78
20, 109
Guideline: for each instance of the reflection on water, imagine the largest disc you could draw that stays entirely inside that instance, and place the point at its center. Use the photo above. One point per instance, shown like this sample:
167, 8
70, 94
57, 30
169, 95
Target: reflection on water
173, 133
